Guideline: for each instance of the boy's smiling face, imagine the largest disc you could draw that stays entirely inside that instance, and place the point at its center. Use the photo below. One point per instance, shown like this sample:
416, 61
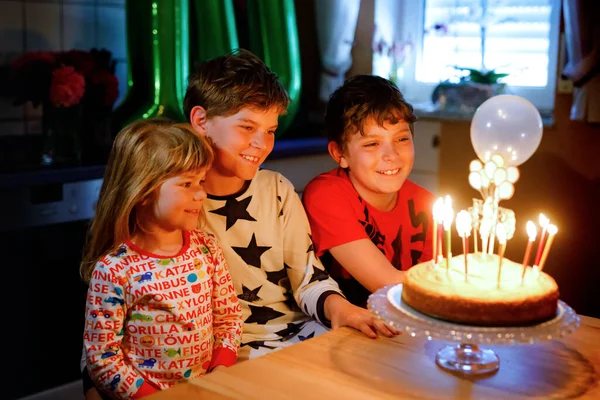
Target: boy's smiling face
241, 141
379, 162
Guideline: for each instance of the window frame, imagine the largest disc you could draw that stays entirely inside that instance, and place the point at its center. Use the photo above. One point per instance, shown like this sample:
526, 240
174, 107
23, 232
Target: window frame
420, 92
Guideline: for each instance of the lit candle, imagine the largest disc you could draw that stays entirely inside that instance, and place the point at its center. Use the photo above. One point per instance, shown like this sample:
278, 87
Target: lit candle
544, 224
463, 227
532, 233
438, 218
448, 217
484, 231
552, 229
501, 235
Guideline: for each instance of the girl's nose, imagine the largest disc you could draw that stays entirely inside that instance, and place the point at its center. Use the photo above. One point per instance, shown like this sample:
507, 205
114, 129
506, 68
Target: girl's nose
200, 195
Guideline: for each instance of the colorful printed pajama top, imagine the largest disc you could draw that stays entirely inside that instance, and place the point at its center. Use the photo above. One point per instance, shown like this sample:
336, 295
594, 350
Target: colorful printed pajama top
153, 321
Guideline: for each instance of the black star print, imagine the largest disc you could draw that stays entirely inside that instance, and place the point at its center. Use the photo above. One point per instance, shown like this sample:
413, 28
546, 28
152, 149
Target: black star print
303, 338
276, 276
280, 211
234, 210
312, 244
318, 275
262, 315
251, 254
290, 301
291, 330
250, 295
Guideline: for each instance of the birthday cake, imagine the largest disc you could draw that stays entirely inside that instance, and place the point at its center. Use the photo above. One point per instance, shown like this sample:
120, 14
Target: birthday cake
480, 298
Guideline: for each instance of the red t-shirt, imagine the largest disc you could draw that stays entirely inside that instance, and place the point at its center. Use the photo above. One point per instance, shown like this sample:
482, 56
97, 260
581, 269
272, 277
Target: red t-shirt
338, 215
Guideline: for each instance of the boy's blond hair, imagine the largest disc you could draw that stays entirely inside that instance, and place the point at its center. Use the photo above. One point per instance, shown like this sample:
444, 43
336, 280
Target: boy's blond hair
226, 84
143, 156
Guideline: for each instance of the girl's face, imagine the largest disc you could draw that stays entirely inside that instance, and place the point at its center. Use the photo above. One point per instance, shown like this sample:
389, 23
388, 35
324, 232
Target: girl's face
177, 203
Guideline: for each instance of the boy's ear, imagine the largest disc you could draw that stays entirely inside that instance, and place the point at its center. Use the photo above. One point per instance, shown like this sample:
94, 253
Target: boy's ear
198, 119
337, 154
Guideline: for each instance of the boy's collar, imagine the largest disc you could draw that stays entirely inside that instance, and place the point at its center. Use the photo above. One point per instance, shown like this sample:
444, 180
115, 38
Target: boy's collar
233, 195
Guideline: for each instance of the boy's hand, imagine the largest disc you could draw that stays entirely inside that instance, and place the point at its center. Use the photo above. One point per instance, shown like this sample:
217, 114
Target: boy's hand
342, 313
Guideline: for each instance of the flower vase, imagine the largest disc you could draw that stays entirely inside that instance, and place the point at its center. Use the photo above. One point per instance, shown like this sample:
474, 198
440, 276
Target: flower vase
61, 129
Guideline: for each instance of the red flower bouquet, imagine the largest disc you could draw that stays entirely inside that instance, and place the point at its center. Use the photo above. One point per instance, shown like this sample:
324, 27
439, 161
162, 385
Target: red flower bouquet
77, 90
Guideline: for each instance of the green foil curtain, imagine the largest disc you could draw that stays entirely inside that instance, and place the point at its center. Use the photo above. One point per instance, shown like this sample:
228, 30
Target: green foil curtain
159, 52
214, 28
274, 38
158, 60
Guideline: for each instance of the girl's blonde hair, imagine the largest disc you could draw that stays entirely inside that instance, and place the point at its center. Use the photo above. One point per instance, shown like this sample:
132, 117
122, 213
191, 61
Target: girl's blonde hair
143, 156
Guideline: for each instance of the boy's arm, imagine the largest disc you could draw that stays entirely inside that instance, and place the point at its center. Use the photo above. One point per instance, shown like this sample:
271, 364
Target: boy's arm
310, 283
367, 264
104, 322
334, 213
227, 311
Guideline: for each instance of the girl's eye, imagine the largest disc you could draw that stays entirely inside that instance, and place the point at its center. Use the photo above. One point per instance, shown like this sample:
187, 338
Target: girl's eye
403, 139
372, 144
247, 128
187, 184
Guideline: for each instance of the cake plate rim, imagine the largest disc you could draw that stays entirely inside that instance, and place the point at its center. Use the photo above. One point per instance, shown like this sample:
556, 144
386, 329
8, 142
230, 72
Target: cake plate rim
387, 305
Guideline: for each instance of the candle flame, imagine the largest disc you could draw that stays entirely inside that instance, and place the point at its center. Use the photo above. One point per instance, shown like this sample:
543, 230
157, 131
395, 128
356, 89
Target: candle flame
438, 210
501, 233
544, 221
463, 224
552, 229
531, 231
448, 213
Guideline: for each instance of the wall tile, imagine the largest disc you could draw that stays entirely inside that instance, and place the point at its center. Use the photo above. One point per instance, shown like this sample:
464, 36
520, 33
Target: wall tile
11, 27
7, 110
111, 31
79, 26
121, 72
42, 26
10, 128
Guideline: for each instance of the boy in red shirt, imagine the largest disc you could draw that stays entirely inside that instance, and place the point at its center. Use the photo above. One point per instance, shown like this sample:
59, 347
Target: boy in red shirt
369, 223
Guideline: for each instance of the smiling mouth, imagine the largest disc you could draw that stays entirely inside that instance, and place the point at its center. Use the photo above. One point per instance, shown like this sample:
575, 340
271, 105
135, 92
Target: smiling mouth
193, 212
389, 171
252, 159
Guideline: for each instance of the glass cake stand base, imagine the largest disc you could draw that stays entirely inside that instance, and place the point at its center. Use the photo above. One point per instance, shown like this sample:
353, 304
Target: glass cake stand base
466, 357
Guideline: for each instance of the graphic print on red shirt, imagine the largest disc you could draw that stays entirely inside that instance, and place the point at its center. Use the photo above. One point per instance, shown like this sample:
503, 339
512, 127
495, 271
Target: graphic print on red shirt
338, 215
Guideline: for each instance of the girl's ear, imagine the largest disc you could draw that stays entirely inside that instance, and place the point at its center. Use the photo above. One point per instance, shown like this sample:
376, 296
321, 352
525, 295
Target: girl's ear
198, 119
337, 154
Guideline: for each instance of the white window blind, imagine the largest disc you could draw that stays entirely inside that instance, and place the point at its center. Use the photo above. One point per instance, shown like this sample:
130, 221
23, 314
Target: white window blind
520, 38
513, 34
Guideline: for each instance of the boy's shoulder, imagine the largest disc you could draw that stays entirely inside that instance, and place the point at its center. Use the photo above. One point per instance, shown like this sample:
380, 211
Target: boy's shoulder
272, 179
409, 188
334, 182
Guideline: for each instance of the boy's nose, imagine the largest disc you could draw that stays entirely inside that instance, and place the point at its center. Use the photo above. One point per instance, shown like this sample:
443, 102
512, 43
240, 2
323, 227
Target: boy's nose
390, 153
258, 141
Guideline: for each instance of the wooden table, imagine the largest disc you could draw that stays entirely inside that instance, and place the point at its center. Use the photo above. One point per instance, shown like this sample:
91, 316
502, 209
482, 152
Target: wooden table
344, 364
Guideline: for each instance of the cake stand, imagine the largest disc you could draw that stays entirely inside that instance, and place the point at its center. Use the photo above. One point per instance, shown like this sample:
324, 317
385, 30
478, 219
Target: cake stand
466, 357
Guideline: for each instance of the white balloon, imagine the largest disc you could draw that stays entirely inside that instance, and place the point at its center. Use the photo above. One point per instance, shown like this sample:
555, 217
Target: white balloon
507, 125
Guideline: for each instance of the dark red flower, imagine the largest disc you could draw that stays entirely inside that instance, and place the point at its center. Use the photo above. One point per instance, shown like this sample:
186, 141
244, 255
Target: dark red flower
103, 87
67, 87
83, 61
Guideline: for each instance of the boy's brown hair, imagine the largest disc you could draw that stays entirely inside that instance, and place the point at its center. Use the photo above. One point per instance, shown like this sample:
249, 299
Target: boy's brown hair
360, 98
226, 84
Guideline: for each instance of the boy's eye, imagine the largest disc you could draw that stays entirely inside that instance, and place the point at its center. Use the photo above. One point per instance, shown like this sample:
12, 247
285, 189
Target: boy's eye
247, 128
187, 184
370, 144
271, 132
